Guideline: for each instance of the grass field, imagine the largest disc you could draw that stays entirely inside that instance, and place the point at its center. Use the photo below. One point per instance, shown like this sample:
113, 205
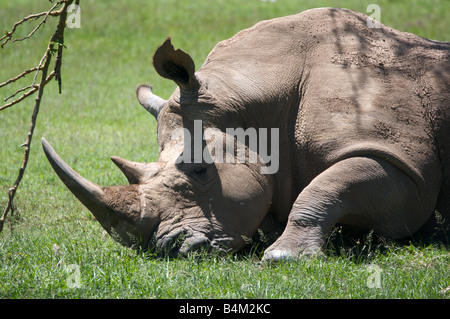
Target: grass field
53, 248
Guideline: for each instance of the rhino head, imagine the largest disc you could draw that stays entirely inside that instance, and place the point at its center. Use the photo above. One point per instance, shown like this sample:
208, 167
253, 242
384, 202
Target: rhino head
177, 206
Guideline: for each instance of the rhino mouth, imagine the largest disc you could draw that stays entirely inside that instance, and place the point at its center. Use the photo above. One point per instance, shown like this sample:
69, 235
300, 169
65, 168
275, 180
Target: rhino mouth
182, 242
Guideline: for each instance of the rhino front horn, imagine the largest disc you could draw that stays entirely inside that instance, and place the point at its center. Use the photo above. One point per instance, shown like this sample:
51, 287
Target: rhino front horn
105, 203
88, 193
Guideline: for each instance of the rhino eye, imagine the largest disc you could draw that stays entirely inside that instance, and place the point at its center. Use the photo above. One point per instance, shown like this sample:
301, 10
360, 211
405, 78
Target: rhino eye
200, 173
199, 170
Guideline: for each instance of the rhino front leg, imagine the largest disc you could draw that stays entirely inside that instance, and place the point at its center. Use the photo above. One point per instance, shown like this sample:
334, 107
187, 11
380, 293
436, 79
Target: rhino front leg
363, 192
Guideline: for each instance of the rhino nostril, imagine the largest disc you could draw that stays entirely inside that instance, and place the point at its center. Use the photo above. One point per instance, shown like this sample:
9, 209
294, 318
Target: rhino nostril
170, 245
195, 244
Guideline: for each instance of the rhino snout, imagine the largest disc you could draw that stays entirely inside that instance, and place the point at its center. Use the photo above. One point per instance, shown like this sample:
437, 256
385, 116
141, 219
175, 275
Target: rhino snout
179, 243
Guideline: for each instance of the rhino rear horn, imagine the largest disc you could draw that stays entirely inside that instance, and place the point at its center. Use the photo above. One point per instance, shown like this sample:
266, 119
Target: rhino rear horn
148, 100
175, 65
136, 173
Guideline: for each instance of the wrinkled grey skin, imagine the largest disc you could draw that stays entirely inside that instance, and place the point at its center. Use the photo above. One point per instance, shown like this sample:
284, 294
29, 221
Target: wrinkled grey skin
364, 129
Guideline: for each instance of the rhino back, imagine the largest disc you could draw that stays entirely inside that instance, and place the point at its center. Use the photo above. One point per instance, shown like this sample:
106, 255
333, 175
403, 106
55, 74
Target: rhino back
379, 91
342, 89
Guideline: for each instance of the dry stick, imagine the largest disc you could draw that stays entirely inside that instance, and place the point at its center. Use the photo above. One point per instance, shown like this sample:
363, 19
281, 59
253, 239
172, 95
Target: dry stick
33, 88
57, 38
39, 25
21, 75
8, 35
12, 190
19, 90
26, 94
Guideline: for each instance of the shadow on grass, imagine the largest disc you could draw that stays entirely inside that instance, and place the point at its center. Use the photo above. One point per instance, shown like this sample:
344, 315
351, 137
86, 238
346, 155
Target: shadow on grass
358, 248
363, 248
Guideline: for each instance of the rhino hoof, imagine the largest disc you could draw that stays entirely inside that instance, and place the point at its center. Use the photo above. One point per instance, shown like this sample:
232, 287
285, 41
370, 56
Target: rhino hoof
279, 255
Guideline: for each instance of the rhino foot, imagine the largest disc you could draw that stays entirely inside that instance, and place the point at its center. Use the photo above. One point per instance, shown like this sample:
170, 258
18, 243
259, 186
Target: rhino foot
278, 254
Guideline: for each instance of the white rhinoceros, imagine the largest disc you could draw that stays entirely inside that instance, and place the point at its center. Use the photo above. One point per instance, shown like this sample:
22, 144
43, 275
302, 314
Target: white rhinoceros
361, 120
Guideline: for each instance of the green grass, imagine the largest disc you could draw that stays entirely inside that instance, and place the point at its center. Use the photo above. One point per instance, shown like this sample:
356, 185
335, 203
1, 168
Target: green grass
97, 116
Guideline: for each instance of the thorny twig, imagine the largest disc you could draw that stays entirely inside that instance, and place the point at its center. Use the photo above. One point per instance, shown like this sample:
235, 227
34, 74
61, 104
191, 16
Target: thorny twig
8, 35
21, 75
42, 22
44, 64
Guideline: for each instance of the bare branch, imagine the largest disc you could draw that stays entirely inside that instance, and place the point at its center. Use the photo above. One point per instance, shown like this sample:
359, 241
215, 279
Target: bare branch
8, 35
39, 67
21, 75
42, 22
44, 64
33, 89
50, 49
18, 91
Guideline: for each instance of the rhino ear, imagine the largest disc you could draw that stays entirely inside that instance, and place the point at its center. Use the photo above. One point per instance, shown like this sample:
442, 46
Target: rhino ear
177, 66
